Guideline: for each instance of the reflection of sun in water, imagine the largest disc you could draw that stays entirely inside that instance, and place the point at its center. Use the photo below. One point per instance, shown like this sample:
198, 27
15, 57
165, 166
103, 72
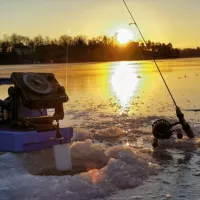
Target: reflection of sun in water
124, 36
124, 83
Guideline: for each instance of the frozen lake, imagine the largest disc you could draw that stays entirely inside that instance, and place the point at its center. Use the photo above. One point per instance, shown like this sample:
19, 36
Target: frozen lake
113, 105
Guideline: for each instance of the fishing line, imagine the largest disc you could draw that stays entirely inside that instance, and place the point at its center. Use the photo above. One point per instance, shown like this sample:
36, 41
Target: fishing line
67, 52
134, 22
66, 57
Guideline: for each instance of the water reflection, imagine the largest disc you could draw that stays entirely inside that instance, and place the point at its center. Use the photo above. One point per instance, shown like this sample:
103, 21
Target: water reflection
115, 87
124, 82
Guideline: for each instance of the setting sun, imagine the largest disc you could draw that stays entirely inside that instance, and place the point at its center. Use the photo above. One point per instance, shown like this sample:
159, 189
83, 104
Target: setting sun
124, 36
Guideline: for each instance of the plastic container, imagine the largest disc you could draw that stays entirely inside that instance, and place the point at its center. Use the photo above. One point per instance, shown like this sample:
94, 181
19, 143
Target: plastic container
62, 156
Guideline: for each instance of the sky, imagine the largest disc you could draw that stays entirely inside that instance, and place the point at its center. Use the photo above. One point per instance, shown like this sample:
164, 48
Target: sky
165, 21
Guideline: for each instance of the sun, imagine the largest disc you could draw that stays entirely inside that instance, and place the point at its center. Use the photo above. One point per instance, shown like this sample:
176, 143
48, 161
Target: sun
124, 36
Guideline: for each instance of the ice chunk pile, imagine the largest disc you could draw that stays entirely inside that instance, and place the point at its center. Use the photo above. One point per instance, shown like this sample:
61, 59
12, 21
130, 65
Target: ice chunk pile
81, 135
125, 167
112, 132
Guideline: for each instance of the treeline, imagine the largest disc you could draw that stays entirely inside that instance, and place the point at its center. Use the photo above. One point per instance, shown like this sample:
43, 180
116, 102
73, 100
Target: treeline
16, 49
190, 52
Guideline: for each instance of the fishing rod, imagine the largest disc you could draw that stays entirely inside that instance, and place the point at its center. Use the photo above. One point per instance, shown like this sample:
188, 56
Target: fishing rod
161, 128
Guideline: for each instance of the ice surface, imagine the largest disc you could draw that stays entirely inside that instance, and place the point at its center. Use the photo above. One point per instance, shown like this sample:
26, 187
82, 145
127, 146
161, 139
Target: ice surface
117, 168
128, 160
185, 143
176, 181
125, 168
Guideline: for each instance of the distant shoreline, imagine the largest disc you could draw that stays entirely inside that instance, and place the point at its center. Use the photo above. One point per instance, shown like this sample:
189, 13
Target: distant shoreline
97, 62
17, 49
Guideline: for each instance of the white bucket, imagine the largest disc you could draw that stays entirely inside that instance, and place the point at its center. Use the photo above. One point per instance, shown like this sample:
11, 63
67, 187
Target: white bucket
62, 156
